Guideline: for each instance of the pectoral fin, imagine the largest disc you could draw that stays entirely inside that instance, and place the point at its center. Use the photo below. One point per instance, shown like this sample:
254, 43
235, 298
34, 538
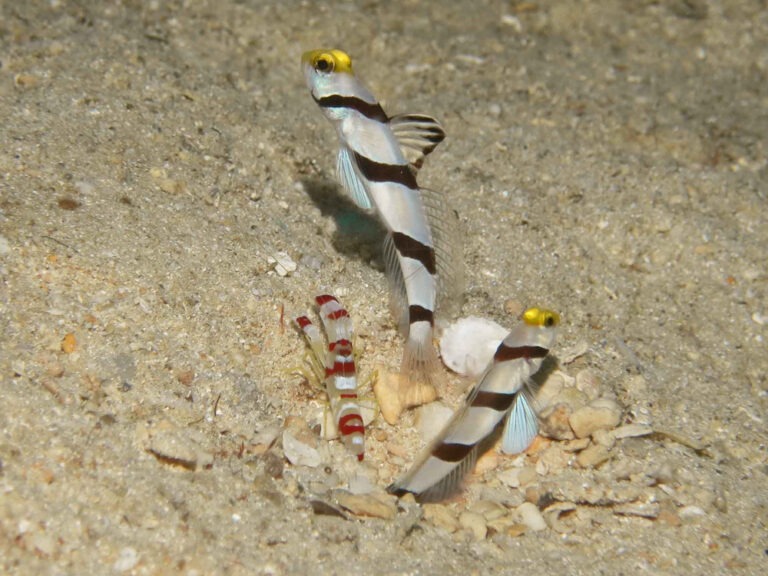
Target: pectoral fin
521, 427
350, 179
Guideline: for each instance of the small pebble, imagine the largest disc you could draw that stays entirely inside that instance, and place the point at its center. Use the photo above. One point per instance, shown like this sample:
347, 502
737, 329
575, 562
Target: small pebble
549, 392
127, 560
264, 438
511, 477
573, 353
642, 509
185, 377
531, 516
24, 80
513, 307
440, 516
395, 393
489, 509
487, 462
555, 516
43, 543
475, 523
505, 524
552, 459
371, 505
670, 518
555, 422
604, 438
593, 456
588, 383
691, 512
311, 261
632, 431
68, 343
601, 414
361, 484
576, 445
516, 530
573, 398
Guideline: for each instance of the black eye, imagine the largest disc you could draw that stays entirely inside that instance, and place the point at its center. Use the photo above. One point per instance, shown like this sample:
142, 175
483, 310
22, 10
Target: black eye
323, 64
549, 321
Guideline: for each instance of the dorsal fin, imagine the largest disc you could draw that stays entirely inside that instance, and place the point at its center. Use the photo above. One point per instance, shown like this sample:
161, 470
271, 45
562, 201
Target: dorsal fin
417, 135
446, 238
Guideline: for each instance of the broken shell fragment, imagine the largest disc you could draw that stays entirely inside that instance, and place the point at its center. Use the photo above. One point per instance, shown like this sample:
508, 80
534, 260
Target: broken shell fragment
484, 336
299, 444
282, 264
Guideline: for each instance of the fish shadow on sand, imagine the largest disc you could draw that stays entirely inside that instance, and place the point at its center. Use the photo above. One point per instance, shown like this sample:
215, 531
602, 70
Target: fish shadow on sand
359, 234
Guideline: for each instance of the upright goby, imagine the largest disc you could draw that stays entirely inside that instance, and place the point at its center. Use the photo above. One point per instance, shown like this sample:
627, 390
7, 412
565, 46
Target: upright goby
502, 391
377, 163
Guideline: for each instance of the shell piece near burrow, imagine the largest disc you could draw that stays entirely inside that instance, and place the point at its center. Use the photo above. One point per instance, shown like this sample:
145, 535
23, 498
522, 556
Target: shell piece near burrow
467, 346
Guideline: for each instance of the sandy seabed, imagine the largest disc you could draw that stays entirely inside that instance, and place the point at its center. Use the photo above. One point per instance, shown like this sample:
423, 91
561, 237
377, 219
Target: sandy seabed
606, 159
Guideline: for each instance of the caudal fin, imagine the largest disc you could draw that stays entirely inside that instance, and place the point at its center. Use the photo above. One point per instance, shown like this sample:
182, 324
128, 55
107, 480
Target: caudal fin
420, 362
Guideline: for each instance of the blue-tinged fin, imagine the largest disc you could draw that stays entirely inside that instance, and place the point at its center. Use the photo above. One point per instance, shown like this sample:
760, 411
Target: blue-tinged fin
350, 179
521, 427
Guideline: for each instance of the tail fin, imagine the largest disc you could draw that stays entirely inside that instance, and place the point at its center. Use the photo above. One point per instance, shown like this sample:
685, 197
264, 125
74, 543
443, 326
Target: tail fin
420, 362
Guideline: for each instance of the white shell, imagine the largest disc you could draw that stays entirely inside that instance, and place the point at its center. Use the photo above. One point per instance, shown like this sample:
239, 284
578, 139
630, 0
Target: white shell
467, 346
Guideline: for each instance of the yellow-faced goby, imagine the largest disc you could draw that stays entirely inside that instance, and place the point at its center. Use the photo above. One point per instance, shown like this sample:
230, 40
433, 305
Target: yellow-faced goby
377, 163
502, 391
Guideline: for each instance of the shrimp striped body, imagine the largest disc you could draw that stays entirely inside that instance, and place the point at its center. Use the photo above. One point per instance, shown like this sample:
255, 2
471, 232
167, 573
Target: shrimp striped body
501, 392
372, 166
338, 364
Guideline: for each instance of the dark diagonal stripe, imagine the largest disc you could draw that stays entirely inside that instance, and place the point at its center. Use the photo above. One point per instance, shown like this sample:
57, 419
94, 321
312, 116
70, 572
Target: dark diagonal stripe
372, 111
493, 400
397, 490
378, 172
418, 313
452, 452
412, 248
504, 353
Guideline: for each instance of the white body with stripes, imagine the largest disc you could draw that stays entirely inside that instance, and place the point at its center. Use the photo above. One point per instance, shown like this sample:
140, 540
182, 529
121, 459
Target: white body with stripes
372, 166
501, 392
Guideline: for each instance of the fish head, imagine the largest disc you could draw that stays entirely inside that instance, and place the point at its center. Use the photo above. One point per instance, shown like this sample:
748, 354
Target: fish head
539, 326
325, 69
541, 317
